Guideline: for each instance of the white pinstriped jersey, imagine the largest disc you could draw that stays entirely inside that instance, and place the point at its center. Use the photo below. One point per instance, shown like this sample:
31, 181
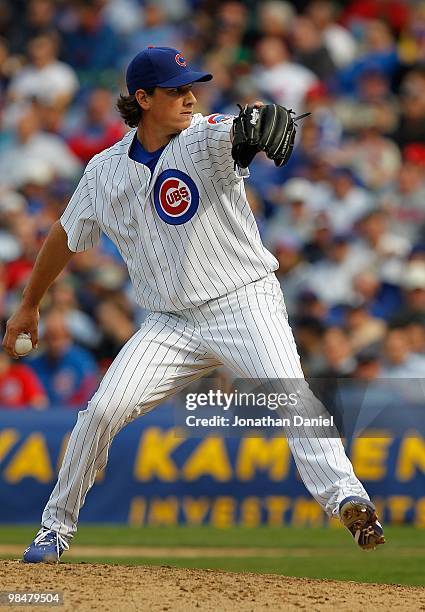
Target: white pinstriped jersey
186, 232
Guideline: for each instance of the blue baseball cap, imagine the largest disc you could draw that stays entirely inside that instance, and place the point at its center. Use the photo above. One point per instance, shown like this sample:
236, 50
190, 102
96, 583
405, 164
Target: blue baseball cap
161, 67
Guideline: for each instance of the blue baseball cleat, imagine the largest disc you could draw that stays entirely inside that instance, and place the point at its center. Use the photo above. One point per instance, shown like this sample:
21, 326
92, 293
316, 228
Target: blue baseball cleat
359, 516
47, 547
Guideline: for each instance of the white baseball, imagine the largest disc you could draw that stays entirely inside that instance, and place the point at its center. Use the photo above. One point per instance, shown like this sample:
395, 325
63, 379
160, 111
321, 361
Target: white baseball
23, 344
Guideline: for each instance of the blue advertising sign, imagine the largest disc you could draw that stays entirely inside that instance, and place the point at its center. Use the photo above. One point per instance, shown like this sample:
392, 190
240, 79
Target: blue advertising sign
158, 475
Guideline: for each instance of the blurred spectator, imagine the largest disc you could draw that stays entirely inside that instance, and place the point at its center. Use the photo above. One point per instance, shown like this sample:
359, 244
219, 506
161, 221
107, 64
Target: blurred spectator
310, 50
265, 179
414, 289
284, 81
357, 13
18, 270
382, 299
81, 327
123, 16
39, 18
294, 272
348, 202
338, 353
315, 249
8, 66
309, 305
379, 53
331, 279
176, 10
307, 152
374, 159
243, 91
309, 337
373, 227
99, 129
117, 326
100, 279
68, 372
296, 212
363, 328
52, 116
229, 26
90, 45
399, 361
19, 386
412, 38
387, 250
404, 201
338, 40
411, 127
35, 156
55, 199
415, 330
372, 103
155, 29
275, 18
322, 106
45, 78
368, 365
11, 203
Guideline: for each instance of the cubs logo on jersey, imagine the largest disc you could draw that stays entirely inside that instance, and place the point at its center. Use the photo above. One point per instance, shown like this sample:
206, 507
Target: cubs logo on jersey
176, 197
218, 118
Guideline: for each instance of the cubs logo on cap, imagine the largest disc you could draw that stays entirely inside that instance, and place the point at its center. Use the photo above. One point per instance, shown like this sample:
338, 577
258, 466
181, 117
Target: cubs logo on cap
180, 60
176, 197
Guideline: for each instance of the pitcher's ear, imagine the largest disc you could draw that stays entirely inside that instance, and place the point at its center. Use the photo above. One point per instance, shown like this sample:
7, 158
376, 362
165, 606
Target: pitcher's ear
144, 99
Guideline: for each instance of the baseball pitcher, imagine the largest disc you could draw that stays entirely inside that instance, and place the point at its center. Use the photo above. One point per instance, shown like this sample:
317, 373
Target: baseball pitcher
171, 196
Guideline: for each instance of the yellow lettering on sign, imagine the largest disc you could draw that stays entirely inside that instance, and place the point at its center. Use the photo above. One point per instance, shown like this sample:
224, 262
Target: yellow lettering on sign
398, 505
420, 513
136, 515
195, 509
153, 455
260, 453
208, 459
163, 511
250, 512
411, 457
369, 457
307, 512
223, 512
276, 506
30, 460
8, 438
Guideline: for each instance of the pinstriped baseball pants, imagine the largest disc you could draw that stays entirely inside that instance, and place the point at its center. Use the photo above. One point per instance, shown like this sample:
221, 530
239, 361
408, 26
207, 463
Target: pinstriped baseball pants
246, 330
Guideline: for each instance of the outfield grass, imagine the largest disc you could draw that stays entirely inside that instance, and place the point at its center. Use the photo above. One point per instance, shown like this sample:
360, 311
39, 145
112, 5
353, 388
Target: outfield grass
313, 553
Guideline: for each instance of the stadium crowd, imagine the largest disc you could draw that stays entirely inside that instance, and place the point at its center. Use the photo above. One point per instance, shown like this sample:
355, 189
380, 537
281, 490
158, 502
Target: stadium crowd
345, 217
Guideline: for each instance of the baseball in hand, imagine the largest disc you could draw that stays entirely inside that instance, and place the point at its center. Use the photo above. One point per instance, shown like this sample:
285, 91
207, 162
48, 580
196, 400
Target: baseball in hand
23, 344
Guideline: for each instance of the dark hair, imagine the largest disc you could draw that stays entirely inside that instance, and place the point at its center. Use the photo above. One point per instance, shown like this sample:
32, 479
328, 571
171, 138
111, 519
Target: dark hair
130, 109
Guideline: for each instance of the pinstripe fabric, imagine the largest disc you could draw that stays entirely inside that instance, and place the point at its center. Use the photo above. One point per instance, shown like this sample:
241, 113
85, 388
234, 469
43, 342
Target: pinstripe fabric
172, 266
248, 331
162, 357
